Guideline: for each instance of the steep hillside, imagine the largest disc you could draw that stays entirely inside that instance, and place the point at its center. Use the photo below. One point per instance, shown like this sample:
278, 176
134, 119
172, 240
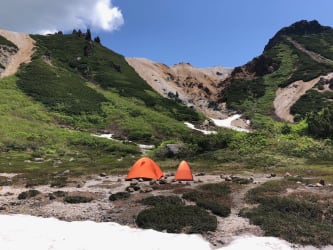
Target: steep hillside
297, 61
195, 87
73, 91
69, 88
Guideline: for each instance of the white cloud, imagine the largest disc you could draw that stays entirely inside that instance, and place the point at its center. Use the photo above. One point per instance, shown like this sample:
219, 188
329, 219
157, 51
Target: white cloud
42, 16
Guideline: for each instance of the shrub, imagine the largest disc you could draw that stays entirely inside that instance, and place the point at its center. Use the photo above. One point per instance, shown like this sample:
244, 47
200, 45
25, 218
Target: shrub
28, 194
219, 209
59, 182
119, 196
77, 199
162, 200
177, 219
213, 196
300, 218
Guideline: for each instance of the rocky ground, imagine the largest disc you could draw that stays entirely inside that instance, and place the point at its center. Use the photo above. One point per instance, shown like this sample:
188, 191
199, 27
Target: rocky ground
50, 203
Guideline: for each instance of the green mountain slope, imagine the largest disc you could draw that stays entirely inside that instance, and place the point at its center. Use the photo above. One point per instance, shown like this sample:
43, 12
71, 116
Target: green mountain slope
302, 51
72, 88
82, 82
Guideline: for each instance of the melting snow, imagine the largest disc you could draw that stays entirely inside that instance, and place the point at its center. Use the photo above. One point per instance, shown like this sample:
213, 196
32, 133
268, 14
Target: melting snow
19, 232
226, 123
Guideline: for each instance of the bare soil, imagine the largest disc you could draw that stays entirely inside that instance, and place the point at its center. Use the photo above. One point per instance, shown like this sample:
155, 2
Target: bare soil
286, 97
25, 45
195, 87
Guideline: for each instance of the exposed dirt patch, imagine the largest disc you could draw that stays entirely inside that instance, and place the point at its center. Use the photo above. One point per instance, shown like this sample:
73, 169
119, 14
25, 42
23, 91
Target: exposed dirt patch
286, 97
195, 87
25, 45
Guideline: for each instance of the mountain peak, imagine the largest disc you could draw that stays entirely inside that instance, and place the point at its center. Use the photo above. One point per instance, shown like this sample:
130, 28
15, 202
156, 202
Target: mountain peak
302, 27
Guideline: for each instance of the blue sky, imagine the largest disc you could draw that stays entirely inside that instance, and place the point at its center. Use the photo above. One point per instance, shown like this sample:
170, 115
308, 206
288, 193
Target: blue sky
207, 32
202, 32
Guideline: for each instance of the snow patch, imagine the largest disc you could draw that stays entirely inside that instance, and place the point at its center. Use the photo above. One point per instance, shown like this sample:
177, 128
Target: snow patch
29, 232
206, 132
226, 123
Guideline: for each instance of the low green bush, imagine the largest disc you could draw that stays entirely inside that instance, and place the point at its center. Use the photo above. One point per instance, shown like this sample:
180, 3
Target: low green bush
59, 182
162, 200
212, 196
219, 209
177, 219
119, 196
77, 199
300, 217
28, 194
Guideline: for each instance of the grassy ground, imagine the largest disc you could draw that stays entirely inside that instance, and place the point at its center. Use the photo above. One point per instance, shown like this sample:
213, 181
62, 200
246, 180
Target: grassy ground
302, 217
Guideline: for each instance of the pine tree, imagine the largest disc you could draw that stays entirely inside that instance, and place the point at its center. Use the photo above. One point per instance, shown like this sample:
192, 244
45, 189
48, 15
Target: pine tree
88, 35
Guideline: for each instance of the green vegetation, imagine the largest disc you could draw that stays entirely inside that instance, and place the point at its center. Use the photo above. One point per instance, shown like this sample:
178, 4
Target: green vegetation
214, 197
161, 200
77, 199
321, 44
119, 196
241, 90
255, 97
312, 101
299, 217
175, 217
108, 70
320, 123
60, 90
28, 194
4, 41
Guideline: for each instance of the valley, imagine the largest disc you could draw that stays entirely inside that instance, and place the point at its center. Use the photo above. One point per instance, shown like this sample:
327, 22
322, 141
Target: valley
76, 115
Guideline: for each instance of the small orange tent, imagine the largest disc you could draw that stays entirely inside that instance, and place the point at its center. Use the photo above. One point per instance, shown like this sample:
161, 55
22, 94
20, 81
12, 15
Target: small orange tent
184, 172
145, 168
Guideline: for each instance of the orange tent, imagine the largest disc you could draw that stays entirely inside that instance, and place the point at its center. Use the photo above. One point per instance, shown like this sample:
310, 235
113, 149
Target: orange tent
184, 172
145, 168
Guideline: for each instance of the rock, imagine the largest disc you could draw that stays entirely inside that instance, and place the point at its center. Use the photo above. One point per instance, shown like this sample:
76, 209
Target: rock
322, 182
228, 178
140, 180
52, 196
201, 174
66, 172
287, 174
38, 159
173, 149
273, 175
118, 180
130, 189
163, 182
102, 174
318, 185
152, 182
146, 190
134, 182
